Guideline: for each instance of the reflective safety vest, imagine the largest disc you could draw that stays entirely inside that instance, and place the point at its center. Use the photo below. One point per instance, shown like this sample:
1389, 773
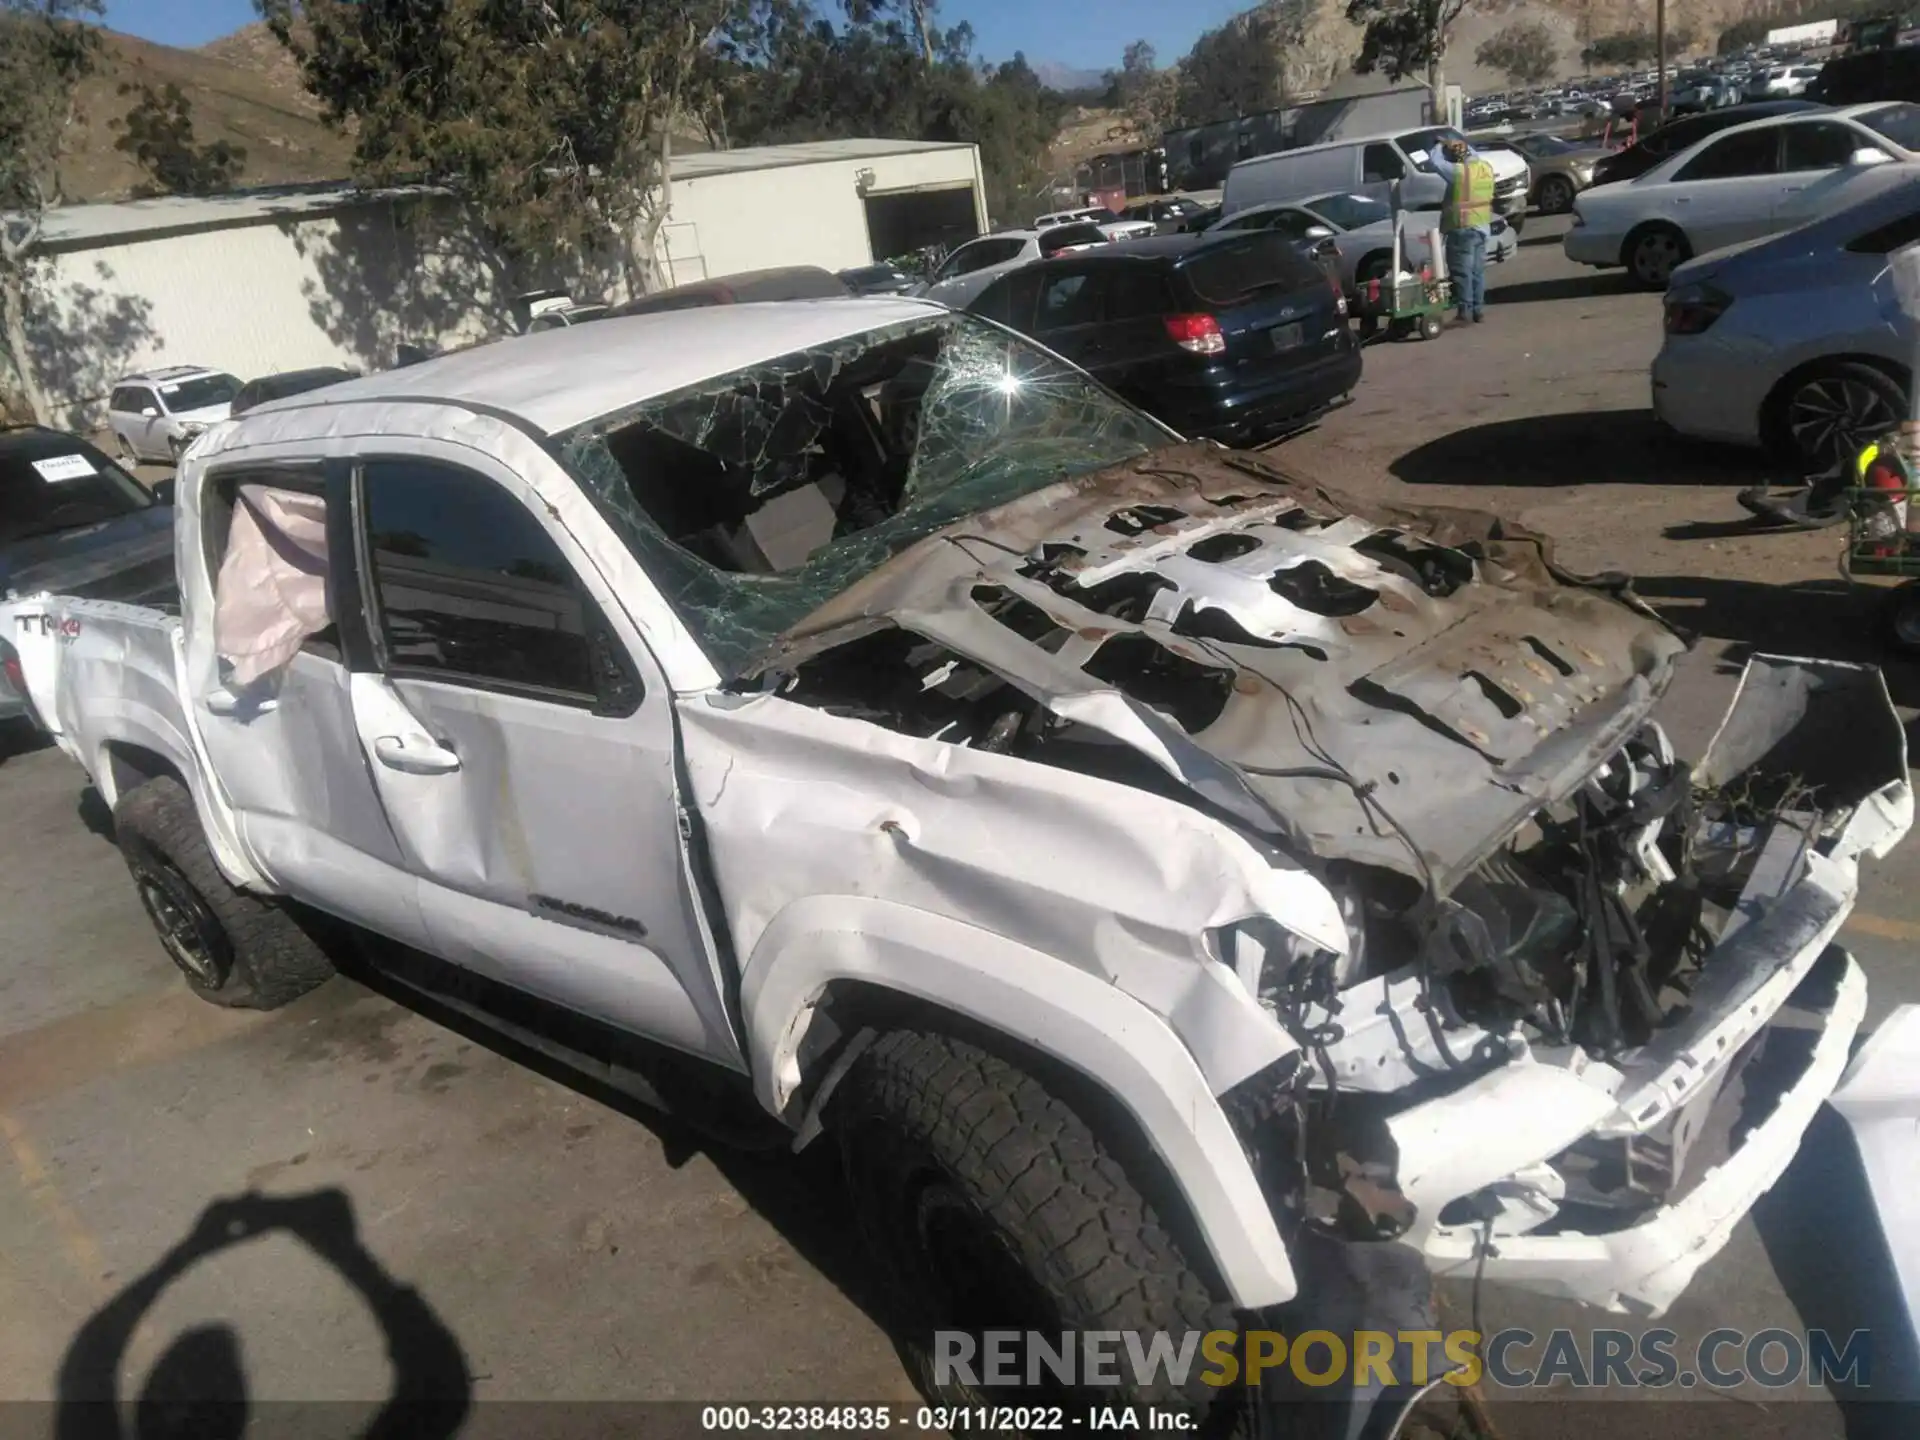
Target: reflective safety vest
1469, 197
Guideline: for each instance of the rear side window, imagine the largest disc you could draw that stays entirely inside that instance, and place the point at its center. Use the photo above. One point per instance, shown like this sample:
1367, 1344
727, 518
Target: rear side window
982, 253
1011, 299
1381, 162
1067, 299
470, 588
1294, 224
1228, 272
1060, 237
1898, 123
1752, 152
1823, 146
1136, 292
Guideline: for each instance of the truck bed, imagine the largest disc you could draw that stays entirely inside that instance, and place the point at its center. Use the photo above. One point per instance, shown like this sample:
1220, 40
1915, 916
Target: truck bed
95, 667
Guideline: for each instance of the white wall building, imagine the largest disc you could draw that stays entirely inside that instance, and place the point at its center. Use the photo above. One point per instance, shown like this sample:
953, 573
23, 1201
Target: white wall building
1815, 32
263, 281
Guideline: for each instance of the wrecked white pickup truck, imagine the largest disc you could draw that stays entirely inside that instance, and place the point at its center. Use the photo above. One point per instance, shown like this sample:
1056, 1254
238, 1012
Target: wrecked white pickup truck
1188, 896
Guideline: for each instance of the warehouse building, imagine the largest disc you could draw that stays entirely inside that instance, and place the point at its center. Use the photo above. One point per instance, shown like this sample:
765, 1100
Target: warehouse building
261, 281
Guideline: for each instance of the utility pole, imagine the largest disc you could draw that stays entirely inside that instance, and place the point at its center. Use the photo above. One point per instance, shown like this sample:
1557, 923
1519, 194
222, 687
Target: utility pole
1660, 54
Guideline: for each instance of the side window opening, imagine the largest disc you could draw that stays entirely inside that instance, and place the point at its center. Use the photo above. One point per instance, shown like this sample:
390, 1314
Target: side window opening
266, 538
470, 588
1381, 162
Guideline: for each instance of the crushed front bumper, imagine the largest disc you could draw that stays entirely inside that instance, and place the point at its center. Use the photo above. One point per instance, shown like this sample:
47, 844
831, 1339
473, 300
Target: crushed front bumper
1643, 1268
1505, 1163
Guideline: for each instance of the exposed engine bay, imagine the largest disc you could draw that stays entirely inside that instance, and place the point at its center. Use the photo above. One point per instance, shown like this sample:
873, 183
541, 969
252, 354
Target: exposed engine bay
1232, 619
1452, 735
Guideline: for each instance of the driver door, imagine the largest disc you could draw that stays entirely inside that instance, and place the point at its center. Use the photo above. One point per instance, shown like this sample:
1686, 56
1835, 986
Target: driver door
523, 746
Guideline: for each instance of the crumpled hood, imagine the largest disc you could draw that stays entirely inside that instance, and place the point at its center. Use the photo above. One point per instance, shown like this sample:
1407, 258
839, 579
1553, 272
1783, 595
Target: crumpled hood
126, 558
1230, 620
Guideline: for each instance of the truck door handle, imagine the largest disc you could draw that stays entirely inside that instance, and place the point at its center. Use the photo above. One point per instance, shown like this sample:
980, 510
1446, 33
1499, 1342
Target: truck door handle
224, 702
420, 757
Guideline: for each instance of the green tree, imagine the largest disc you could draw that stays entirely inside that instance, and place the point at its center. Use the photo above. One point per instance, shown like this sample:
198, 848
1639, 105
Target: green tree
1404, 37
1621, 50
551, 118
158, 133
1140, 88
800, 75
1237, 69
1525, 52
1742, 33
45, 49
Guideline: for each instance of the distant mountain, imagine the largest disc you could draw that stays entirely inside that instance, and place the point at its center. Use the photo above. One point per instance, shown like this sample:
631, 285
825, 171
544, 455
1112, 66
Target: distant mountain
1056, 76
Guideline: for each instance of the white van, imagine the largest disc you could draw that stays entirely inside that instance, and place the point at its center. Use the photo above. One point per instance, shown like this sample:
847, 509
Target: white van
1372, 165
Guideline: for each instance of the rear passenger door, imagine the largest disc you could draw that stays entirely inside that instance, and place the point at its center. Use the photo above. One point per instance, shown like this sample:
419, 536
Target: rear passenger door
1728, 192
1136, 301
1069, 316
1815, 179
523, 746
284, 744
1010, 300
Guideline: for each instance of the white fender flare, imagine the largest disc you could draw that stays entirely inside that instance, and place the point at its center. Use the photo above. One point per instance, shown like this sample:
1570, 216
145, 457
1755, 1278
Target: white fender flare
1063, 1012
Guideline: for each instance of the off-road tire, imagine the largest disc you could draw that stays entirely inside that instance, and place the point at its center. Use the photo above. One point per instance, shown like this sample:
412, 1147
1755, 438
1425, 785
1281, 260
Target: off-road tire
938, 1130
244, 951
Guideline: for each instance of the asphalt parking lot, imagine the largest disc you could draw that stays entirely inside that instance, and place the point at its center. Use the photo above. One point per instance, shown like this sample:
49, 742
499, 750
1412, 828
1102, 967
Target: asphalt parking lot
394, 1193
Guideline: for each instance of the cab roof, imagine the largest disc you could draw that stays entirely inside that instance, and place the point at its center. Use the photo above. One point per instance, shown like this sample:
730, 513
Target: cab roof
553, 380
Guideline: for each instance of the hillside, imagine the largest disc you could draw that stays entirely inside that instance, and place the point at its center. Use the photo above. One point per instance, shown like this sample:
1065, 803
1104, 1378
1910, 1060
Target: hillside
244, 89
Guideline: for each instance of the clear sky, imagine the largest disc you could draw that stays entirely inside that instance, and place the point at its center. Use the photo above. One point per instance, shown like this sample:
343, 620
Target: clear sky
1086, 34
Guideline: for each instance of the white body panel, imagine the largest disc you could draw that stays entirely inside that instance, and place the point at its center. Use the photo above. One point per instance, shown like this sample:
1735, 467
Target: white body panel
1076, 915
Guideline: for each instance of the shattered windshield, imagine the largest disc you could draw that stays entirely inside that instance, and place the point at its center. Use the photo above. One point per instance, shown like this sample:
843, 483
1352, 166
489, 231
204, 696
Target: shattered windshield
755, 498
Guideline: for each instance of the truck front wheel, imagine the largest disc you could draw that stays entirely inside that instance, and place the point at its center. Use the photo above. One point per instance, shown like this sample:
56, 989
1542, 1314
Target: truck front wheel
234, 948
993, 1204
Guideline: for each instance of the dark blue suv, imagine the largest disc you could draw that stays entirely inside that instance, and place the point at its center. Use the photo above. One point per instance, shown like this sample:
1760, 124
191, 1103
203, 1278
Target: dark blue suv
1234, 337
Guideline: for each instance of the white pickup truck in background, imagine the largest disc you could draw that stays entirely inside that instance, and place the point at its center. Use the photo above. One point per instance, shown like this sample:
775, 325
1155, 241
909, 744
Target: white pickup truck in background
853, 700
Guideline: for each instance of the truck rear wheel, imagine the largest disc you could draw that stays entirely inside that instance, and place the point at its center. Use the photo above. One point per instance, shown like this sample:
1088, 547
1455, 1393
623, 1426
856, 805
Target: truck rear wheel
234, 948
994, 1205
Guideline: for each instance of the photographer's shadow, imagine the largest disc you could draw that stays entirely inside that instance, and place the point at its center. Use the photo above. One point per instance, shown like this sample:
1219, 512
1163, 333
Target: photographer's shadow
198, 1386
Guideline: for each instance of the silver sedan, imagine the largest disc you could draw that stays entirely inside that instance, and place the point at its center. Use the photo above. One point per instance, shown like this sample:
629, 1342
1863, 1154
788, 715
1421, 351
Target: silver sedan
1361, 228
1802, 343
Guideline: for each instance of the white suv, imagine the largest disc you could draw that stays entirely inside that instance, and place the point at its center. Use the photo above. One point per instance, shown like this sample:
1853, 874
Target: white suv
156, 416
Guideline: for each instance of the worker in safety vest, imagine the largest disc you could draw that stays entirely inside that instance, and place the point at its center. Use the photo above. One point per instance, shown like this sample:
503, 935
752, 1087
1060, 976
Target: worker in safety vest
1466, 223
